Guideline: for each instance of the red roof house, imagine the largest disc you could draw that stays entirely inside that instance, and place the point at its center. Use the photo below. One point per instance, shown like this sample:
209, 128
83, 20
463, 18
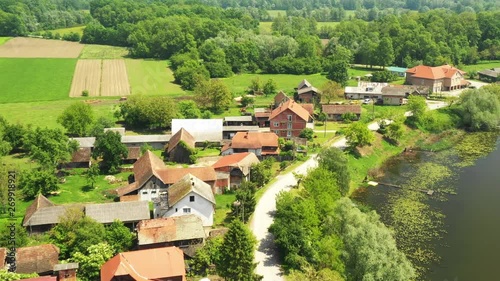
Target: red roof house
260, 143
289, 119
237, 166
438, 78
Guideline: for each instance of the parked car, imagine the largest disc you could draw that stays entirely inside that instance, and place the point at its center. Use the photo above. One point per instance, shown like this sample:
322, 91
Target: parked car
367, 101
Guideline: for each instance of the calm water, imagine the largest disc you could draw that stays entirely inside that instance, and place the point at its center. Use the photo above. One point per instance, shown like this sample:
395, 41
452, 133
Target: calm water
470, 250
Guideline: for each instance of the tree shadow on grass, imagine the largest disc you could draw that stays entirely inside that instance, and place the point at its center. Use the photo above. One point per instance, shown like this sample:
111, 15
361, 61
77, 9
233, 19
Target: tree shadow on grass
87, 188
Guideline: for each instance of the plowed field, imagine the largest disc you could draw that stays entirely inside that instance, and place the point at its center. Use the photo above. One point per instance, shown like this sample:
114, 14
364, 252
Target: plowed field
39, 48
87, 77
114, 78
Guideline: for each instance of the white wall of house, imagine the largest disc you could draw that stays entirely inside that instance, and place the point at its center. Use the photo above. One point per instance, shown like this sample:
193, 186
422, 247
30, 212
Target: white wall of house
151, 189
200, 207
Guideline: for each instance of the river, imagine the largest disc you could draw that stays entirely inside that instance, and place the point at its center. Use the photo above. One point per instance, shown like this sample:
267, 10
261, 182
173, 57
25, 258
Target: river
470, 247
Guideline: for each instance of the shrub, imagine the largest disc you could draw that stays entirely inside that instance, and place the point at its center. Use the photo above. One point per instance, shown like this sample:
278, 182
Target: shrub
85, 93
307, 133
284, 164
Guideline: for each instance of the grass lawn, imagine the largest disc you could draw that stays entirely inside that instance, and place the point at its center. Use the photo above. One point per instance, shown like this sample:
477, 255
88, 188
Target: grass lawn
330, 125
4, 39
152, 77
103, 52
45, 113
488, 64
208, 152
25, 80
223, 207
18, 162
62, 31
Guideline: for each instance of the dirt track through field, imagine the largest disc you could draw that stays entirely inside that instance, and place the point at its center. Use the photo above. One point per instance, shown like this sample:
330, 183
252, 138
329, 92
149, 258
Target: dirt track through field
21, 47
114, 78
87, 76
100, 78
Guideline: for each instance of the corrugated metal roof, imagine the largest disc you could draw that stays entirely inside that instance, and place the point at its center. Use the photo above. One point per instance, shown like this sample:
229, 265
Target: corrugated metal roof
240, 128
201, 129
123, 211
238, 119
85, 142
146, 138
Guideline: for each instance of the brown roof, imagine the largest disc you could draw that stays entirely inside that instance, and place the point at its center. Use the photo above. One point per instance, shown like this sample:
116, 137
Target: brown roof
142, 265
39, 202
309, 107
133, 153
185, 186
307, 90
172, 175
39, 259
304, 84
81, 155
280, 97
437, 72
292, 106
341, 109
172, 229
243, 161
181, 135
132, 211
127, 189
146, 166
254, 140
265, 114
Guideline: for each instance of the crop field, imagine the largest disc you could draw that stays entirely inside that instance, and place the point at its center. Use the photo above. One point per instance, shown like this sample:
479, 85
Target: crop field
4, 39
39, 48
87, 77
25, 80
62, 31
114, 81
103, 52
152, 77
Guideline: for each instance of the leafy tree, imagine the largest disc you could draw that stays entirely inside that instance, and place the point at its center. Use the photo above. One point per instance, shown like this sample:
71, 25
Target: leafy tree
145, 147
331, 90
383, 76
335, 161
479, 109
21, 236
245, 201
188, 109
418, 107
395, 131
76, 233
99, 125
311, 274
77, 119
90, 261
49, 147
236, 261
109, 147
213, 95
348, 117
119, 237
307, 133
38, 181
190, 74
6, 275
151, 112
358, 134
255, 86
246, 101
384, 54
322, 186
337, 72
15, 135
261, 173
206, 257
269, 87
91, 175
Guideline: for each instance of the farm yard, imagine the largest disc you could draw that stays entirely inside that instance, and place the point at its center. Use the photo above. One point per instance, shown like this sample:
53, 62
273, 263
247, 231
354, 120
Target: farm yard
87, 77
20, 47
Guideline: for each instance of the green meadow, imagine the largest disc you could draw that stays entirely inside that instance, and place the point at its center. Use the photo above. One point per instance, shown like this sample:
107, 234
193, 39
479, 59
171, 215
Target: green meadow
103, 52
62, 31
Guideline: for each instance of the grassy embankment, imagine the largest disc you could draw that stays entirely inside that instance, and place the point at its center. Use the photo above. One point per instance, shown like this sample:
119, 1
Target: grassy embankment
4, 39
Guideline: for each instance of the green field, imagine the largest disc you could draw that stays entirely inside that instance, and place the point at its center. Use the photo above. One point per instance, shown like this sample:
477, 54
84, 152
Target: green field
275, 13
103, 52
25, 80
286, 82
152, 77
45, 113
482, 65
62, 31
4, 39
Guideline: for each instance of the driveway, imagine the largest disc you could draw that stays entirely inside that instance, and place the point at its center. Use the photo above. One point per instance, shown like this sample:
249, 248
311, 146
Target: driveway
266, 255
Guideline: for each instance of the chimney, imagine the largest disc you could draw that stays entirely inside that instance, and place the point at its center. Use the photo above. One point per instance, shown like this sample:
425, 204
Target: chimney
66, 271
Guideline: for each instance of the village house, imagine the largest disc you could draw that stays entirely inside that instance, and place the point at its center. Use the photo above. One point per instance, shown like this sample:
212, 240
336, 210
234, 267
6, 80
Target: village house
307, 93
181, 147
438, 78
40, 259
185, 232
489, 75
203, 130
246, 120
165, 263
334, 112
289, 119
81, 158
189, 195
383, 93
261, 116
280, 98
262, 144
364, 90
237, 166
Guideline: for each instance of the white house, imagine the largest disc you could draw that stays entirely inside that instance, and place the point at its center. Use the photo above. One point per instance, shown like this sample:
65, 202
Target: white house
189, 195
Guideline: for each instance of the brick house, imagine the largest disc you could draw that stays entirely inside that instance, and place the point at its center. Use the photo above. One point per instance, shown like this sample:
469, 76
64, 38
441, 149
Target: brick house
289, 119
438, 78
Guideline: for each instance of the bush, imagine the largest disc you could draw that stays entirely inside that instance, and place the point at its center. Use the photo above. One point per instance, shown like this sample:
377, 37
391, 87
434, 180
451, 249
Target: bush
348, 117
245, 101
85, 93
284, 164
307, 133
72, 36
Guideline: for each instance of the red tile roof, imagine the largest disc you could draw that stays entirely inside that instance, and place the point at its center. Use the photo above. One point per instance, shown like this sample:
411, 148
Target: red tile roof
181, 135
146, 166
341, 109
3, 255
243, 161
152, 264
43, 278
292, 106
433, 73
173, 175
39, 259
254, 140
309, 107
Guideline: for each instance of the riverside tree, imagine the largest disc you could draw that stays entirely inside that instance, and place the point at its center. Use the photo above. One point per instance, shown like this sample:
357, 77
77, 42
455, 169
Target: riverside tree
334, 160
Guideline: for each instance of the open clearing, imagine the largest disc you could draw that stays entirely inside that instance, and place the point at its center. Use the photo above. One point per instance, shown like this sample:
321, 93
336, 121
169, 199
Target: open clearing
20, 47
100, 78
62, 31
25, 80
114, 81
286, 82
152, 77
87, 77
103, 52
488, 64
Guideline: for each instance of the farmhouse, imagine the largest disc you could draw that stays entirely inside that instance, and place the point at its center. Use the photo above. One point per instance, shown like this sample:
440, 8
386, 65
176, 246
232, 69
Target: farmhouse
237, 166
262, 144
489, 75
165, 263
189, 195
185, 232
289, 119
203, 130
181, 147
79, 159
307, 93
40, 259
365, 90
280, 98
261, 116
438, 78
334, 112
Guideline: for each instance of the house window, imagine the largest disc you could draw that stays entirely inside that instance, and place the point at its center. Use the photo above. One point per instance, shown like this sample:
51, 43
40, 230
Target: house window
289, 118
144, 192
176, 210
186, 210
289, 125
289, 134
153, 191
276, 124
277, 132
191, 198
